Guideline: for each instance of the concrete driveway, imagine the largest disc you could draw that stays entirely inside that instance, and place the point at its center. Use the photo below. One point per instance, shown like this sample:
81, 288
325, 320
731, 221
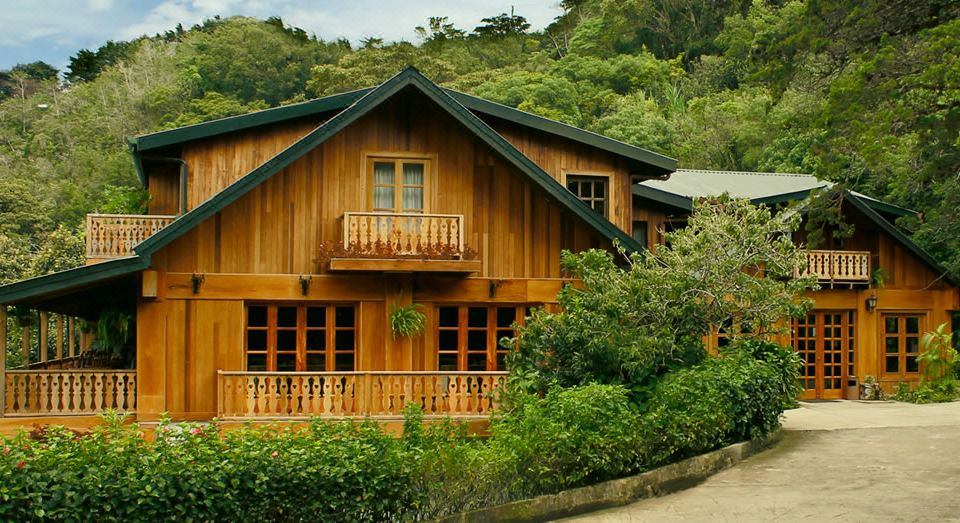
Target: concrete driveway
838, 461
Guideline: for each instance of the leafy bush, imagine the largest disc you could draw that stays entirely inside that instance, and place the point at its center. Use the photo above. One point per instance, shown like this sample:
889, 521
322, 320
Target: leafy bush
721, 401
569, 437
633, 323
327, 472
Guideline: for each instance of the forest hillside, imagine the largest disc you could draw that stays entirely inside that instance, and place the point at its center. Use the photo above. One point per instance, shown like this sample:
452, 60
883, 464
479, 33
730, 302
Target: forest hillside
865, 93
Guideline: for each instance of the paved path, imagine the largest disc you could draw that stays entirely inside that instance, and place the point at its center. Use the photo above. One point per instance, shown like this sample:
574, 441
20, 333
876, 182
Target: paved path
838, 461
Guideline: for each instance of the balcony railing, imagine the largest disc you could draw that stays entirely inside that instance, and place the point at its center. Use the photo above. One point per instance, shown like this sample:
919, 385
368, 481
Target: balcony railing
69, 392
403, 234
277, 395
115, 235
839, 266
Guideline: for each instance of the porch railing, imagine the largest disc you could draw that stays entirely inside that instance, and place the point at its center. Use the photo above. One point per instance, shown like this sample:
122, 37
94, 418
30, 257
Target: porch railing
348, 394
115, 235
69, 392
405, 234
838, 266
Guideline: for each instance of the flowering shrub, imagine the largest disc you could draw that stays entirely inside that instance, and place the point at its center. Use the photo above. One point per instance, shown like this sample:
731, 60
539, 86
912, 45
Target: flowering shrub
329, 250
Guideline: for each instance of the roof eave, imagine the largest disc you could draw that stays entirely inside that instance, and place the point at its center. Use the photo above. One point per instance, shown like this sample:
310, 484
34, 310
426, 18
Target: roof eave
24, 290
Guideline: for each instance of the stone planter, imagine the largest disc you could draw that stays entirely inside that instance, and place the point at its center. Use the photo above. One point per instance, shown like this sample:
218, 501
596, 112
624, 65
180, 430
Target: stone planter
869, 391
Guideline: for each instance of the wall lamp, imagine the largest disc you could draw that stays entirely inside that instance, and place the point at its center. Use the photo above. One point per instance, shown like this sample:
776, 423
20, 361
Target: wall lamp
872, 303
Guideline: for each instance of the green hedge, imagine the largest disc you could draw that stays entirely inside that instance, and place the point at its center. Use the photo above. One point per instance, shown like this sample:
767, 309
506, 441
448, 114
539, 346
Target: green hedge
342, 471
331, 472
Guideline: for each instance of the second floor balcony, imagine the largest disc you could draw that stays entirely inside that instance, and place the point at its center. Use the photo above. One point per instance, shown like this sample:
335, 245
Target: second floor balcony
839, 267
401, 242
115, 235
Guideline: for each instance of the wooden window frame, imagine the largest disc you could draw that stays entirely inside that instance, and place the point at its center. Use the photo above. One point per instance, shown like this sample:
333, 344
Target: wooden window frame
493, 333
902, 335
329, 328
607, 176
429, 162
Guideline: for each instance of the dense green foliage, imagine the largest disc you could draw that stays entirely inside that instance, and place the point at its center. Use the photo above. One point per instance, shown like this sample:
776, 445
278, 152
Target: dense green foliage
939, 366
864, 94
631, 325
329, 472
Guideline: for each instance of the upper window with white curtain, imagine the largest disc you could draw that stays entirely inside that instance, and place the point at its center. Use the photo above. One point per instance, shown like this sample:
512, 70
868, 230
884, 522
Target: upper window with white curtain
399, 184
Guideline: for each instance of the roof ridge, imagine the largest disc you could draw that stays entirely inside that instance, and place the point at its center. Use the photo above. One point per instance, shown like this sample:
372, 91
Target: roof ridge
760, 173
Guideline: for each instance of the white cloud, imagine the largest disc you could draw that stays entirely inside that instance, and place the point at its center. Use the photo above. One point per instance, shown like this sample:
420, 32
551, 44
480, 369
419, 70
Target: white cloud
53, 30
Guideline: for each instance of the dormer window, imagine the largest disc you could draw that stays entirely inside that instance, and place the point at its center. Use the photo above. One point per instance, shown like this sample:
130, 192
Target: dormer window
592, 190
399, 184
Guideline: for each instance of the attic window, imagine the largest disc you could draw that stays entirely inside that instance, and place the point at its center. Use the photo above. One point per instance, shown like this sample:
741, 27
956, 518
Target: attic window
592, 190
399, 184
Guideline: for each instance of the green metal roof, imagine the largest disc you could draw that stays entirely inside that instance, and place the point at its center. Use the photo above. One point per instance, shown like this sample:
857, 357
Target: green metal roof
758, 187
686, 185
71, 279
367, 101
409, 77
659, 163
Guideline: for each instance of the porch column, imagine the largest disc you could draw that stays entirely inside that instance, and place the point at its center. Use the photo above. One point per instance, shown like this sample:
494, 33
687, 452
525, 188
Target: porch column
3, 359
44, 318
25, 332
59, 346
71, 334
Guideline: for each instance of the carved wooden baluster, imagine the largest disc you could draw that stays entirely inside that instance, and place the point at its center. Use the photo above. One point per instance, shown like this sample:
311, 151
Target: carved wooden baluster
252, 386
455, 235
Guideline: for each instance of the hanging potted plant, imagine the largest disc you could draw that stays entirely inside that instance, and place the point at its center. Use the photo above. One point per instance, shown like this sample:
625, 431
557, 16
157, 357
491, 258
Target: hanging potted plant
407, 320
114, 338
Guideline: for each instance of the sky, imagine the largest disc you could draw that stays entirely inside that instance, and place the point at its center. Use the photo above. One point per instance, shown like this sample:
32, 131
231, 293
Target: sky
53, 30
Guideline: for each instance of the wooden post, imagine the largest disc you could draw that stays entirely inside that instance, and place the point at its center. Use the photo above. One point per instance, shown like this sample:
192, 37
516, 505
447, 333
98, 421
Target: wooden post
59, 336
3, 359
71, 334
25, 332
44, 319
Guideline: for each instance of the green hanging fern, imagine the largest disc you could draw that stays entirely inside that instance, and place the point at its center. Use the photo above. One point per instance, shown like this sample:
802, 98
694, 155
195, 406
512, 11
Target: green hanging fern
407, 320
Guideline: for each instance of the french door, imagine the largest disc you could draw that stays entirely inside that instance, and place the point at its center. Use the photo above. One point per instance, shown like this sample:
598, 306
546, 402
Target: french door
825, 342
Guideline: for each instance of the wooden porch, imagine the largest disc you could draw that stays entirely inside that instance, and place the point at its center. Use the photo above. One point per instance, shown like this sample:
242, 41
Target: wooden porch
299, 395
58, 374
839, 267
403, 242
115, 235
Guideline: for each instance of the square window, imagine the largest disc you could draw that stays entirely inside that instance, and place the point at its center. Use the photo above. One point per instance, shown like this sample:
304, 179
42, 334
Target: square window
286, 362
447, 340
477, 317
447, 361
912, 364
287, 340
344, 362
891, 325
345, 316
286, 316
913, 345
316, 316
256, 362
316, 340
892, 364
343, 340
913, 325
892, 345
257, 316
506, 316
477, 340
449, 316
476, 361
256, 340
316, 362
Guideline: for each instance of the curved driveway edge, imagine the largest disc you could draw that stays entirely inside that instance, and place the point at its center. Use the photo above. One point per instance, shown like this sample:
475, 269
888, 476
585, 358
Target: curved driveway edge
617, 492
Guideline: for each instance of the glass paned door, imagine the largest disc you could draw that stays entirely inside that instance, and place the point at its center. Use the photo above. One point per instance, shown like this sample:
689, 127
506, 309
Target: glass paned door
824, 340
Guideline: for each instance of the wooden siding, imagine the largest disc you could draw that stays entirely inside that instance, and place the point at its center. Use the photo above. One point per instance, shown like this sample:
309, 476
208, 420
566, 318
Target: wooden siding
560, 157
278, 227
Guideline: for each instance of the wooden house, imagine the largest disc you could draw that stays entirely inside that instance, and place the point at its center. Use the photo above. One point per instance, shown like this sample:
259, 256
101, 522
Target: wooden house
278, 245
879, 292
